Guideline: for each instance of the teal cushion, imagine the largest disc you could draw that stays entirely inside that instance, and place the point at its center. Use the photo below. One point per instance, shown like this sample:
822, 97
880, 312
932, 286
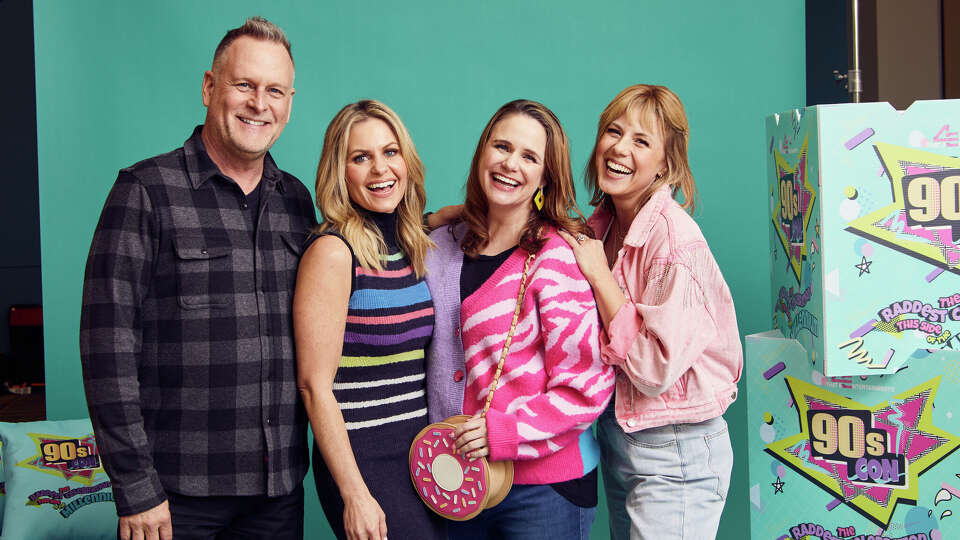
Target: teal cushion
55, 483
3, 490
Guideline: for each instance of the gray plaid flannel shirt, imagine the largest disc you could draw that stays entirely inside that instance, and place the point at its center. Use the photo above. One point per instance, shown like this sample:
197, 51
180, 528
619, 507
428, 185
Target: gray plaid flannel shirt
186, 332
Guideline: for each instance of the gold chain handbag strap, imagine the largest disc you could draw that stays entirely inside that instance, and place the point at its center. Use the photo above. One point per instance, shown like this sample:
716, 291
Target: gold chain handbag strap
513, 326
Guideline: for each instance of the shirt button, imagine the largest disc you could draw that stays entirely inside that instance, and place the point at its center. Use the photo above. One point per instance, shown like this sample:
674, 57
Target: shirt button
632, 422
203, 251
269, 422
243, 205
456, 331
458, 375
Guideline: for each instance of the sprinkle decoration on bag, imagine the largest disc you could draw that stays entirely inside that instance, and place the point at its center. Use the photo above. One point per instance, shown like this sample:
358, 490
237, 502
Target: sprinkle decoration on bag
448, 483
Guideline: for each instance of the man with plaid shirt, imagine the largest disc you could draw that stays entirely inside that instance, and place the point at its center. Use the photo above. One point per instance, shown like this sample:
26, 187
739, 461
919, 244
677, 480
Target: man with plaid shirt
186, 332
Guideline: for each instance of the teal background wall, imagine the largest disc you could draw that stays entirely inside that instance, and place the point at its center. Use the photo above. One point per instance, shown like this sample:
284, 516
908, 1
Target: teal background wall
120, 81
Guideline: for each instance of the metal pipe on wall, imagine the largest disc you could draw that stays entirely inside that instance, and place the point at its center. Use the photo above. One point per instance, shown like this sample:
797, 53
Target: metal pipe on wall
854, 85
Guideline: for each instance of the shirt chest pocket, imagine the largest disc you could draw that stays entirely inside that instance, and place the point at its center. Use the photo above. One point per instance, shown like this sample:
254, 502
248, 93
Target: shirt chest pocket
205, 274
288, 260
292, 249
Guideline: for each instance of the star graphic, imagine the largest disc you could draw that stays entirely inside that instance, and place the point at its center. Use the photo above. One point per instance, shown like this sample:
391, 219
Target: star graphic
892, 225
778, 486
795, 195
61, 469
906, 420
864, 266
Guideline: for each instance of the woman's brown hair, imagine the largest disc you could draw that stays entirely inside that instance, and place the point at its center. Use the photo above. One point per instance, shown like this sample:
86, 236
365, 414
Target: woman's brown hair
559, 195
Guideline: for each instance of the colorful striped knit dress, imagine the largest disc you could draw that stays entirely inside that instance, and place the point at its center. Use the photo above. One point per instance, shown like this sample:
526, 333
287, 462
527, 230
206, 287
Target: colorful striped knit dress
380, 386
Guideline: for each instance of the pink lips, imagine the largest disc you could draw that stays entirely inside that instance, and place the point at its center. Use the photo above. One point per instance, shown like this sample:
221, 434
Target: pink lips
383, 192
613, 171
500, 185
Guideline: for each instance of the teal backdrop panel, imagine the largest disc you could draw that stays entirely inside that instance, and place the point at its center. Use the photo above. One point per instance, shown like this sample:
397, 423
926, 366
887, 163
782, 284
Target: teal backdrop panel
120, 81
863, 201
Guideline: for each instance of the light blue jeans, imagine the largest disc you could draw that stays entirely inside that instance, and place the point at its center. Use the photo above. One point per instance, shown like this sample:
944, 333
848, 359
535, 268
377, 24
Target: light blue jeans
667, 482
530, 512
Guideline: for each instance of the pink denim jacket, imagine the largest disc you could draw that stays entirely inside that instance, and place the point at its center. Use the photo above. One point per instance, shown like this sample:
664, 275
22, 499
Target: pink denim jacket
675, 343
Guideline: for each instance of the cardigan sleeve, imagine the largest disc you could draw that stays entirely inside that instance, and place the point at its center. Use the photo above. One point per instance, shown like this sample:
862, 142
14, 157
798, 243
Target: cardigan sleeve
445, 350
578, 383
667, 324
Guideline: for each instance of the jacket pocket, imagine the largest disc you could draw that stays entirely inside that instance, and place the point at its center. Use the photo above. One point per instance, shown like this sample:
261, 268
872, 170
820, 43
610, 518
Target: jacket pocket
204, 272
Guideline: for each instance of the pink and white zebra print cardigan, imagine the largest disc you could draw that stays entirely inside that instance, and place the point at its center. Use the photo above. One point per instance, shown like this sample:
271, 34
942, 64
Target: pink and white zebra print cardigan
554, 384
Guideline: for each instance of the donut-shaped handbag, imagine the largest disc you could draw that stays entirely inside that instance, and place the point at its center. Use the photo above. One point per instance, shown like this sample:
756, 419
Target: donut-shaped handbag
450, 484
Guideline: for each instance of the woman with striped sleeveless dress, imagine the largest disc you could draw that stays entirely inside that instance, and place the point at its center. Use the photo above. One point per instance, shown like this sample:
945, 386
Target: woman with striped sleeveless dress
362, 318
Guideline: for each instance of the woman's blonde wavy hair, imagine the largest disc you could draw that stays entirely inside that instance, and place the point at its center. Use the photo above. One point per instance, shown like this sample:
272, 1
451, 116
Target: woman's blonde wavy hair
341, 215
663, 106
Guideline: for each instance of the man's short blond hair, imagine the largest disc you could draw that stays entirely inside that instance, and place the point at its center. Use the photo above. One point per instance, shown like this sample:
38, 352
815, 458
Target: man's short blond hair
257, 28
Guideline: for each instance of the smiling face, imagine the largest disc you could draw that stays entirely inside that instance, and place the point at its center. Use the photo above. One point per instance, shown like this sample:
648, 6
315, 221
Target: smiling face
248, 95
629, 157
511, 166
376, 172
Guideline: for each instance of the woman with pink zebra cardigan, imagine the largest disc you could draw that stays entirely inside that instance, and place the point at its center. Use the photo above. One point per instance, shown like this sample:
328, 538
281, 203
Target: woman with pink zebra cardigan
554, 384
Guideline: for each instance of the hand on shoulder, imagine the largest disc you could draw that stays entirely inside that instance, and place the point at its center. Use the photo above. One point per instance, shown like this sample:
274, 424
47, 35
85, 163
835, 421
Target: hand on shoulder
589, 254
443, 216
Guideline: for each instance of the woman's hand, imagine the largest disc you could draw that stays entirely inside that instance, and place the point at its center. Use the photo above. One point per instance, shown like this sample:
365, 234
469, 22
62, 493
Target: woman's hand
590, 256
363, 519
444, 216
472, 438
593, 264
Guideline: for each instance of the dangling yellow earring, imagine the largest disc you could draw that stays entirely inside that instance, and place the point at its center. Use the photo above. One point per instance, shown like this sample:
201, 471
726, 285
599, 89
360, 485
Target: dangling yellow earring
538, 199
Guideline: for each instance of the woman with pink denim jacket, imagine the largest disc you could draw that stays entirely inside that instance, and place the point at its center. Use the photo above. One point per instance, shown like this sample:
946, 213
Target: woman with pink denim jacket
669, 325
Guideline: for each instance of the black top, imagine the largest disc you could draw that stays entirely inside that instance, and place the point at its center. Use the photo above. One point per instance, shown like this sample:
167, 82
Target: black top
475, 271
251, 202
387, 223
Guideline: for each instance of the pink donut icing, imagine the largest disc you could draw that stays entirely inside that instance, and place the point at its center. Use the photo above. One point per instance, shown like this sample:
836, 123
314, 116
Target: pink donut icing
458, 503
